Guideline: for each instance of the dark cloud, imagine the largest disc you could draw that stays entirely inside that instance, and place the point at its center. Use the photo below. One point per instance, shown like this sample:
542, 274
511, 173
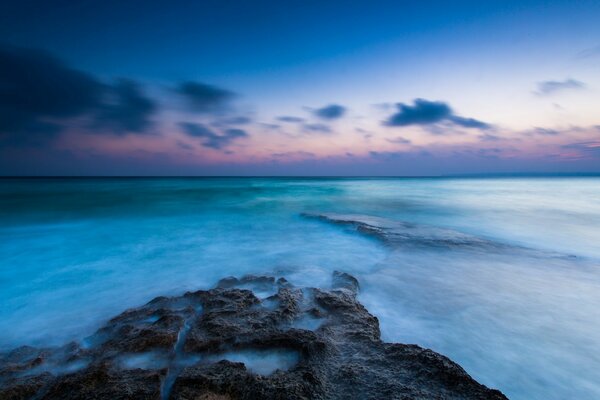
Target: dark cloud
210, 138
332, 111
205, 98
126, 109
288, 118
468, 122
317, 128
550, 87
425, 112
39, 93
37, 89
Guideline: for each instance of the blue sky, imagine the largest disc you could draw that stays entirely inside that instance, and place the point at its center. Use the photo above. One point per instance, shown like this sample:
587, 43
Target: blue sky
525, 74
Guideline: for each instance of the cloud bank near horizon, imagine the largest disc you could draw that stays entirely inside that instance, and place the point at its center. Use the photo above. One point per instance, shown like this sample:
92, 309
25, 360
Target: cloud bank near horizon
71, 120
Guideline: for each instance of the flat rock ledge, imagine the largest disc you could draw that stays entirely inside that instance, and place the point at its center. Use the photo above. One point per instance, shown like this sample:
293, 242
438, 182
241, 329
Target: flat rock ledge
249, 338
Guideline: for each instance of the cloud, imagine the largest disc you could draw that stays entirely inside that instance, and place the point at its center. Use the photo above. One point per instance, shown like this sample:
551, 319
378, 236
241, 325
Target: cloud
425, 112
468, 122
288, 118
589, 52
589, 149
399, 140
210, 138
383, 106
318, 128
294, 154
269, 126
226, 122
332, 111
239, 120
564, 131
489, 138
386, 154
127, 110
36, 89
39, 94
546, 88
545, 131
205, 98
184, 145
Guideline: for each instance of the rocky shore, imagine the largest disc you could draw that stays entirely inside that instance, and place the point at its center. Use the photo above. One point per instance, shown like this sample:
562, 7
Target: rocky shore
251, 338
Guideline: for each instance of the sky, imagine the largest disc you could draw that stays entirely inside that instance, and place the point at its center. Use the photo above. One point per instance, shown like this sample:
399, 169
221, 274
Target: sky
398, 88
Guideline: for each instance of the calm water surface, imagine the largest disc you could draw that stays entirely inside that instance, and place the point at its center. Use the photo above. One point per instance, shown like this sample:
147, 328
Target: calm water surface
524, 318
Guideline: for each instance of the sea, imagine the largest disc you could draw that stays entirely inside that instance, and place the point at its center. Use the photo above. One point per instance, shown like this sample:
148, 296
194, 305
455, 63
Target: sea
500, 274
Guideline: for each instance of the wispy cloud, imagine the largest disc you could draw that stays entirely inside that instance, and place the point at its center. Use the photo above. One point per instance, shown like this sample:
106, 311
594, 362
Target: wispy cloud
210, 138
547, 88
399, 140
545, 131
316, 128
589, 52
289, 118
294, 155
586, 149
487, 137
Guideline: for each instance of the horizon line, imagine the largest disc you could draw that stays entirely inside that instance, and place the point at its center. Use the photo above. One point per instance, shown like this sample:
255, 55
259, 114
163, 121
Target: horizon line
467, 175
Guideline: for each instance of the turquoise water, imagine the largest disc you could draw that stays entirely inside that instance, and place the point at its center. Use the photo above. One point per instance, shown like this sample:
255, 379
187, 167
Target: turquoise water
524, 318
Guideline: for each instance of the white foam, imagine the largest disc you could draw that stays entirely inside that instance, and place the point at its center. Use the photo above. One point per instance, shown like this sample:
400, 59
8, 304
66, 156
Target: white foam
261, 362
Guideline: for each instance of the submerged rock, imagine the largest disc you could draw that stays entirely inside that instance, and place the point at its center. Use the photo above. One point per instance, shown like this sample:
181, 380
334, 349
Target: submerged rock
227, 343
401, 234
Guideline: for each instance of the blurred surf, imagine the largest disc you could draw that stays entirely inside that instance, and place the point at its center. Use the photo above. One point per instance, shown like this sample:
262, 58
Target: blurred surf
500, 274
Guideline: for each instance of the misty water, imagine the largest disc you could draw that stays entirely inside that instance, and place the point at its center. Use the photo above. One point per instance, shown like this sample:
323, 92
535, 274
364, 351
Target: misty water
521, 315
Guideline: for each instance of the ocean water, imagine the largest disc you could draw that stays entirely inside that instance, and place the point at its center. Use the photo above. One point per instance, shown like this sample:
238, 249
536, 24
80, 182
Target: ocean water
519, 310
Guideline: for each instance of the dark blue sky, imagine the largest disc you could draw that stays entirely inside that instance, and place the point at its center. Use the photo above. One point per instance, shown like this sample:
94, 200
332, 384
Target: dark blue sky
501, 72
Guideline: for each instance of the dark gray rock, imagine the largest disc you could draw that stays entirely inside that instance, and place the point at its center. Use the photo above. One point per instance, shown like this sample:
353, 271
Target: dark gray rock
319, 344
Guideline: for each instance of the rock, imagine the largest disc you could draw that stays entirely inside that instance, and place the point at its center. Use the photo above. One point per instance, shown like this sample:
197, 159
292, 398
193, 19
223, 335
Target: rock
342, 280
407, 235
227, 343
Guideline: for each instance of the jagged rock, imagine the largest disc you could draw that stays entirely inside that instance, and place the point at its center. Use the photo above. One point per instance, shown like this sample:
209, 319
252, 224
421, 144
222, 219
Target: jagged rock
189, 347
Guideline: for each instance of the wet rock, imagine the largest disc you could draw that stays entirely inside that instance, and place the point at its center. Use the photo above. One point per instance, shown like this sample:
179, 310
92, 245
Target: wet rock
401, 234
342, 280
190, 347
